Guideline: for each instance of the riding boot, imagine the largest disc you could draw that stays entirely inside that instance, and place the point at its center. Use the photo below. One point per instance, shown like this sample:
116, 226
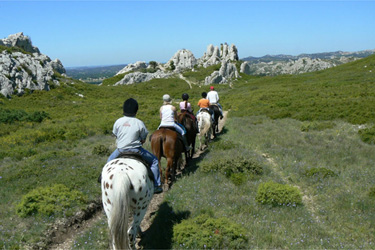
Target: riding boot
187, 146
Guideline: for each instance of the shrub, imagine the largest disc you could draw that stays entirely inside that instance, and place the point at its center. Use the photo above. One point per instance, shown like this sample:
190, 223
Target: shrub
101, 150
276, 194
56, 199
371, 193
367, 135
320, 172
205, 232
10, 116
232, 166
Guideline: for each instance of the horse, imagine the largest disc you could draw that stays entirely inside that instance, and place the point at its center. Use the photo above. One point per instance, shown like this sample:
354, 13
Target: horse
165, 143
126, 186
205, 128
187, 121
217, 114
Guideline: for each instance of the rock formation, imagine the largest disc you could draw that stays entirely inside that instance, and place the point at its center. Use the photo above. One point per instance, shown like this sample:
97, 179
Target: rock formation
182, 60
133, 67
137, 77
22, 66
227, 72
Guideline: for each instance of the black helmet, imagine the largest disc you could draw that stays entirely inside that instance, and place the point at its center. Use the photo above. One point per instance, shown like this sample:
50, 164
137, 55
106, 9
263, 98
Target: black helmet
185, 96
204, 94
130, 107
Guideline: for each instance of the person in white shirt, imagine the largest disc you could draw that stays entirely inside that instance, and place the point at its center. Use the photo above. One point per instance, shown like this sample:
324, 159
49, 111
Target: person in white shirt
213, 98
168, 116
130, 134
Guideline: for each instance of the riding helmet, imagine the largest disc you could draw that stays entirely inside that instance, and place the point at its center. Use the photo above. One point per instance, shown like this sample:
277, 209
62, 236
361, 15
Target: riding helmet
212, 88
130, 107
185, 96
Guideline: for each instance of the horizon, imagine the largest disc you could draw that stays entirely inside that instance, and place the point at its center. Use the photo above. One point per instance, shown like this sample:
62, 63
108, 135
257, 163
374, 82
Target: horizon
106, 33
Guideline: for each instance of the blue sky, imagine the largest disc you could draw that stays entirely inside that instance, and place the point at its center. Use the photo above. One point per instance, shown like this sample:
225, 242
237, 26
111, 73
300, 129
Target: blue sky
87, 33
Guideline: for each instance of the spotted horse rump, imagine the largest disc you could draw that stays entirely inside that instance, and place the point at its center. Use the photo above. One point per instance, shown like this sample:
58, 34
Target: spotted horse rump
126, 187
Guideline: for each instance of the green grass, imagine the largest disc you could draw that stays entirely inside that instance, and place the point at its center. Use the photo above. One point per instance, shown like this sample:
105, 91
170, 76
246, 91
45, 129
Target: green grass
285, 125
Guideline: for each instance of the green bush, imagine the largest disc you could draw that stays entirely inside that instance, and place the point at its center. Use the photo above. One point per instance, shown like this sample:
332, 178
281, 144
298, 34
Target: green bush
320, 172
210, 233
276, 194
371, 193
101, 150
367, 135
51, 200
10, 116
232, 166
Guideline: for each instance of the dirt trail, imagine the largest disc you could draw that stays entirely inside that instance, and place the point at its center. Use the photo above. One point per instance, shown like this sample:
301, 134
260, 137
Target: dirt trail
63, 234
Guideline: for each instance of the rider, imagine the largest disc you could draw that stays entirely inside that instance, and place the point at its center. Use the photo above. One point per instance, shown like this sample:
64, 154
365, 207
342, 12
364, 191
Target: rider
213, 97
204, 104
130, 135
168, 116
186, 106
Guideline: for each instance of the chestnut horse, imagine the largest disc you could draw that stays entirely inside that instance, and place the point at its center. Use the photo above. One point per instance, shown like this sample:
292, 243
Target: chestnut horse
187, 121
217, 114
166, 143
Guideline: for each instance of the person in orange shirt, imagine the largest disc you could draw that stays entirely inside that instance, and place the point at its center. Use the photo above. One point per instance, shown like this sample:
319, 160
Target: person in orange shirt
204, 103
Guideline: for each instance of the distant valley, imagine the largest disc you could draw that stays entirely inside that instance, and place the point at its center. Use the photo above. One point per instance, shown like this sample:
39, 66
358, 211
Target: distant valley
93, 74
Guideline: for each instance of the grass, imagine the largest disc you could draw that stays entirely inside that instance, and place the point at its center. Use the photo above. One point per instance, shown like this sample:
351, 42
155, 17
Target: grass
286, 125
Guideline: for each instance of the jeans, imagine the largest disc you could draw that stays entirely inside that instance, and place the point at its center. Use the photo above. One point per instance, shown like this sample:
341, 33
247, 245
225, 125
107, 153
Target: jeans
147, 156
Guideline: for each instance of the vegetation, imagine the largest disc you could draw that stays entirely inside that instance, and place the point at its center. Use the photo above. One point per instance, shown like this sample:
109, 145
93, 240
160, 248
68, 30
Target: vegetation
305, 133
277, 194
204, 232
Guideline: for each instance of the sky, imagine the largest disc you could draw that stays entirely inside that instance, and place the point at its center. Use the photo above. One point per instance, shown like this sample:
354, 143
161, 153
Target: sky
93, 33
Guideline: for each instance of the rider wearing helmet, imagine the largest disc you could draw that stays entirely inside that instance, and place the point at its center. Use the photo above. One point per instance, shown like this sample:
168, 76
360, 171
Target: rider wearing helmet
130, 135
168, 116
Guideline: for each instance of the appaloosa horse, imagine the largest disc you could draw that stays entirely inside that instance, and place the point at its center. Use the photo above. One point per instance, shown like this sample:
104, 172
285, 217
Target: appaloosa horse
126, 186
217, 114
187, 121
166, 143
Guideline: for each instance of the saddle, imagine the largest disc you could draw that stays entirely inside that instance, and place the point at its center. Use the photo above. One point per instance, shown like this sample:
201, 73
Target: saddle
135, 156
138, 157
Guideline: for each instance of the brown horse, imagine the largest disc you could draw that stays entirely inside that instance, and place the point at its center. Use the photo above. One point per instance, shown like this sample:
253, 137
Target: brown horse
187, 121
165, 143
217, 114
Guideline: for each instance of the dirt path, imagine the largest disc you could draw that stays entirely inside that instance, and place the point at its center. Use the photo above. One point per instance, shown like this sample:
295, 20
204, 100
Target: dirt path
63, 233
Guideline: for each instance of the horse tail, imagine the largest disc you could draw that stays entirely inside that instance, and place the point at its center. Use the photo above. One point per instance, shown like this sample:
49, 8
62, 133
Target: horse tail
119, 217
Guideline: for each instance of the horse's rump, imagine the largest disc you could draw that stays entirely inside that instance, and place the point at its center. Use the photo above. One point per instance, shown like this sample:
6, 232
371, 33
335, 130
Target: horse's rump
125, 187
137, 156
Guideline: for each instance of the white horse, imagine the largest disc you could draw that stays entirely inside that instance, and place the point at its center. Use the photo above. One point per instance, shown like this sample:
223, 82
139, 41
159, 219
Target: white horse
126, 187
205, 128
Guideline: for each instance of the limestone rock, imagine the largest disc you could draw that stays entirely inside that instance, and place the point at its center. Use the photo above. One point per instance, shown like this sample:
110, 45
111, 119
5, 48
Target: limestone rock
20, 71
133, 67
137, 77
227, 72
181, 60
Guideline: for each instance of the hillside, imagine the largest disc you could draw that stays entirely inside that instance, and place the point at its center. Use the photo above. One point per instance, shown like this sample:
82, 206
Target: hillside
287, 127
287, 64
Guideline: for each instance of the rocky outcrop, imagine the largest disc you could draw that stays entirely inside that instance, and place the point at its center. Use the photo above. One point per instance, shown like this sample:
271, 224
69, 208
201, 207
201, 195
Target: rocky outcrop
133, 67
288, 64
227, 72
301, 65
28, 69
20, 41
215, 55
137, 77
181, 60
184, 60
